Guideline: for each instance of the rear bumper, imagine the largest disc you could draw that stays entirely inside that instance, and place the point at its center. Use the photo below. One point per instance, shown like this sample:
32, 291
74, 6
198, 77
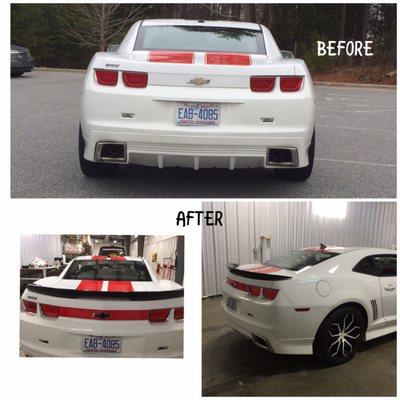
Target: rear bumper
21, 66
144, 121
199, 149
63, 337
284, 329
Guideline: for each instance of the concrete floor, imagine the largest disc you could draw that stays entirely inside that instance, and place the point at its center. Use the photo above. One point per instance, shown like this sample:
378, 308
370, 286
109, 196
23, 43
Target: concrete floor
233, 366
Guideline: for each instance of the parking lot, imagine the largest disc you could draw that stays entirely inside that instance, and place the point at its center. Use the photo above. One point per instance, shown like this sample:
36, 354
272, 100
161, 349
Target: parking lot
355, 150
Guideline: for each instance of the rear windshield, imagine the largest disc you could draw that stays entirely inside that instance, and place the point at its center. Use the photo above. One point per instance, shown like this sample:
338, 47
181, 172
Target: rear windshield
108, 270
200, 38
111, 251
296, 260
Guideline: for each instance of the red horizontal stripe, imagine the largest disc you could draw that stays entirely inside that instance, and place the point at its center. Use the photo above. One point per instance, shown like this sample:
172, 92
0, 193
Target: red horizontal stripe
108, 315
264, 270
171, 57
118, 258
120, 286
228, 59
99, 258
89, 285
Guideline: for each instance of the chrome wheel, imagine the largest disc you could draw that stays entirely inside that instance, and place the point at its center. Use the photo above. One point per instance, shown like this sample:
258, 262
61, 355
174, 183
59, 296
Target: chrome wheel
343, 335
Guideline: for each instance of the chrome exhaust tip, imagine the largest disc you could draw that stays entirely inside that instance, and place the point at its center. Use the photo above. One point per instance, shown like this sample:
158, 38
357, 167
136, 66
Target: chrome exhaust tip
111, 152
262, 342
282, 157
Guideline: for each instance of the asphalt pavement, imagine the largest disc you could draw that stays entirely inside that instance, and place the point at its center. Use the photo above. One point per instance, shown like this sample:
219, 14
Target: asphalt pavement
355, 150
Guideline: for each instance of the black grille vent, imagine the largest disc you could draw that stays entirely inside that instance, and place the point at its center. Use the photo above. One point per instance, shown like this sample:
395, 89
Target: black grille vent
19, 56
374, 309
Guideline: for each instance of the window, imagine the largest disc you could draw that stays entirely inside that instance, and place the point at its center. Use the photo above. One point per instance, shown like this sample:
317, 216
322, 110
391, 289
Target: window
296, 260
367, 266
108, 270
378, 265
110, 251
386, 264
199, 38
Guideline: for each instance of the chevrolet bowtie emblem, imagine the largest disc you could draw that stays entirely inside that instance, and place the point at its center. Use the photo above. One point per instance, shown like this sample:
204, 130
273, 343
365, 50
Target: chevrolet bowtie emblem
198, 81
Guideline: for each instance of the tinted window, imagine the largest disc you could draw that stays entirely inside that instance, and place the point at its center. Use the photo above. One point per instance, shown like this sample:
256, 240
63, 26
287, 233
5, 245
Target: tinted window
367, 266
297, 260
111, 251
200, 38
386, 264
108, 270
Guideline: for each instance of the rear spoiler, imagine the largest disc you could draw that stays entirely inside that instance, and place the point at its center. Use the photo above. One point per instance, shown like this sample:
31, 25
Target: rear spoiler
233, 269
76, 294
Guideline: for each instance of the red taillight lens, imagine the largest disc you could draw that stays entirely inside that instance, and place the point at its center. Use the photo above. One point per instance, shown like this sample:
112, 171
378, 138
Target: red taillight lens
262, 83
291, 83
270, 294
160, 315
255, 291
30, 306
50, 311
135, 79
106, 77
178, 313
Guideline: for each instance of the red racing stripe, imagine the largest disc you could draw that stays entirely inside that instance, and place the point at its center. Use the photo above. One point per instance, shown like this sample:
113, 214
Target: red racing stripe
262, 269
89, 285
120, 286
171, 57
228, 59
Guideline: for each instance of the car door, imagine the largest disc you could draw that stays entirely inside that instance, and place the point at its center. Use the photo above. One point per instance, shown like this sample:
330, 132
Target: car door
387, 267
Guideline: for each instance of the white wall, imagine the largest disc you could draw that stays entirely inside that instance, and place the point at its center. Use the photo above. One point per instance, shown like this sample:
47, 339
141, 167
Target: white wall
292, 225
43, 246
164, 246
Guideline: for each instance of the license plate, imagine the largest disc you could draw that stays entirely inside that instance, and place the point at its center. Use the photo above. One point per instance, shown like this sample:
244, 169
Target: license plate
231, 303
102, 344
197, 114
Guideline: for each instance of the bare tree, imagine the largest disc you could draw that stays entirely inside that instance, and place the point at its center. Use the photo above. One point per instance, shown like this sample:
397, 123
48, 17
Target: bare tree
97, 24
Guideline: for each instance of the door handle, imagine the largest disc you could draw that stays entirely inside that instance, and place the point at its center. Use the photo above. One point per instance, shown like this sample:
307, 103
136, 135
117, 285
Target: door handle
390, 288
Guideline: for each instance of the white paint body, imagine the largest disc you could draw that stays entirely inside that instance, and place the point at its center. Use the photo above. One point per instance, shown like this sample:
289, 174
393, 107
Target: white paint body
240, 140
140, 338
321, 288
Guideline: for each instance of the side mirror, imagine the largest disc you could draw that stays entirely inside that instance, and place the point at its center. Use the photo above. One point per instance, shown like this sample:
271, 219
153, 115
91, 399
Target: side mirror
287, 54
112, 48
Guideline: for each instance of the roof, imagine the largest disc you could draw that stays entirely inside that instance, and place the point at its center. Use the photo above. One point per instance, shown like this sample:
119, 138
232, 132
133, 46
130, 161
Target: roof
90, 257
341, 250
194, 22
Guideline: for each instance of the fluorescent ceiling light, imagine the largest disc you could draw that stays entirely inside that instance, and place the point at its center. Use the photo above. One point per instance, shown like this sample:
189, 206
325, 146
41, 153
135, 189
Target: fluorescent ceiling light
330, 208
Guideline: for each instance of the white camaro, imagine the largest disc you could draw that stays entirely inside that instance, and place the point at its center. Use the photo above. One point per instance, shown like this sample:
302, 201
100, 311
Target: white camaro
103, 306
197, 94
322, 301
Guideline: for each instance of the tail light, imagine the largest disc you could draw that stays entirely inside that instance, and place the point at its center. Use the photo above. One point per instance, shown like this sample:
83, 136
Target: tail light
270, 294
50, 311
255, 291
160, 315
262, 83
135, 79
178, 313
30, 306
291, 83
106, 77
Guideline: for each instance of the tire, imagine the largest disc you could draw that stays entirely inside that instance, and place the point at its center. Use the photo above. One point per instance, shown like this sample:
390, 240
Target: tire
16, 74
94, 169
299, 174
333, 349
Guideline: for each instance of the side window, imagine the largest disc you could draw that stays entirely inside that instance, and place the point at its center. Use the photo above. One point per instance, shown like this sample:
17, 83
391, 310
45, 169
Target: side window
367, 266
386, 264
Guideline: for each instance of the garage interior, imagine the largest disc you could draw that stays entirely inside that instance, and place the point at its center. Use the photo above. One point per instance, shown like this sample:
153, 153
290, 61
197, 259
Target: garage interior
256, 231
48, 255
